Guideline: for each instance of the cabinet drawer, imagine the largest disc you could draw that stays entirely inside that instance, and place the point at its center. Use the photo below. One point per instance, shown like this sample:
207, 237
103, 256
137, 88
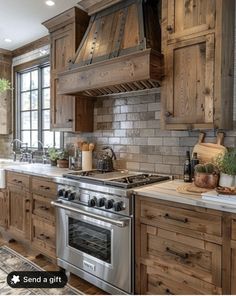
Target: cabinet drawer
42, 207
17, 179
43, 236
190, 262
159, 214
44, 187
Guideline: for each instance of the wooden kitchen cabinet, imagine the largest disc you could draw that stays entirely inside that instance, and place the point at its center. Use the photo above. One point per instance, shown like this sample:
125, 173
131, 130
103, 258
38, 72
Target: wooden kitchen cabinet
19, 215
178, 249
187, 18
43, 216
198, 48
68, 113
3, 208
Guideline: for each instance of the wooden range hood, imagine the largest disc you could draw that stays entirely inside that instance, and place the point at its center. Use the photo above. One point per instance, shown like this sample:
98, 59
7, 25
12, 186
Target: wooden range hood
120, 51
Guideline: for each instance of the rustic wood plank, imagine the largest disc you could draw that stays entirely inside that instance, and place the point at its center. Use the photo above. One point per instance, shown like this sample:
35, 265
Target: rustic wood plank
122, 70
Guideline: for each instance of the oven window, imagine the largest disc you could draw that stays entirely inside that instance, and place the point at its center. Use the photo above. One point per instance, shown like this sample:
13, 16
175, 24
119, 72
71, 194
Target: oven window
90, 239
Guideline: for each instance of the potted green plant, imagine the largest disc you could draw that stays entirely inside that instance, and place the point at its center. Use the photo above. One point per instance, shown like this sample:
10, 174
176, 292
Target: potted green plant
63, 159
227, 165
206, 175
4, 85
53, 155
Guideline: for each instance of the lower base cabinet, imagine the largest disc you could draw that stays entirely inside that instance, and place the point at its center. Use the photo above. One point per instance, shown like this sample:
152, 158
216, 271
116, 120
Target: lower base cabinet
172, 263
183, 249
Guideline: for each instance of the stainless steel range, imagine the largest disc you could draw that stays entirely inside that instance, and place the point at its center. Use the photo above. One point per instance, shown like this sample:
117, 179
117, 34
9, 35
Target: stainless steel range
95, 226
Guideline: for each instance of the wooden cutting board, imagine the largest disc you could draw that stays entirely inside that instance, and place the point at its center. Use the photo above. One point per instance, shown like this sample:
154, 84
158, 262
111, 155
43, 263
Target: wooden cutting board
207, 152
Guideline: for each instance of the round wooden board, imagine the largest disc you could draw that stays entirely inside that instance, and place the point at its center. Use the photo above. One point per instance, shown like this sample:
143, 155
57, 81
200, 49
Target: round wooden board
191, 189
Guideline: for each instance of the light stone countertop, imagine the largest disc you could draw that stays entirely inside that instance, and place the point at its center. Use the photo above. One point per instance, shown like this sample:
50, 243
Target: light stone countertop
167, 191
40, 170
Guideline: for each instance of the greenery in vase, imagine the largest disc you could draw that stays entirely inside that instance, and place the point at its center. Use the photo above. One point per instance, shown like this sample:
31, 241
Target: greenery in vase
207, 168
227, 162
4, 85
53, 154
64, 154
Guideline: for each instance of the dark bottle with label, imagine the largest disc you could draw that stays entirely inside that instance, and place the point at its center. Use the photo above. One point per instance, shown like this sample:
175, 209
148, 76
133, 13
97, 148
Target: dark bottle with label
187, 168
194, 162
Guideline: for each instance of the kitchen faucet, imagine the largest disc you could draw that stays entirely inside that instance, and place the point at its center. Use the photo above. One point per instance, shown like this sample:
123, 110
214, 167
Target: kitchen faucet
44, 156
23, 153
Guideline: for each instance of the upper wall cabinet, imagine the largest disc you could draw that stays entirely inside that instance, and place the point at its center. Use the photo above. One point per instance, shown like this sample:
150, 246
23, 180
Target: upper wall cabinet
5, 97
189, 17
68, 113
198, 46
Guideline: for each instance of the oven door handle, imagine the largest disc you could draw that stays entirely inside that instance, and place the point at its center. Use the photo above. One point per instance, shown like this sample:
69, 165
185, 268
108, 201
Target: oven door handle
121, 223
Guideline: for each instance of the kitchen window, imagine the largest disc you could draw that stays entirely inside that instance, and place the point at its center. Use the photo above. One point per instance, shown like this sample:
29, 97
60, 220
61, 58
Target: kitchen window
33, 108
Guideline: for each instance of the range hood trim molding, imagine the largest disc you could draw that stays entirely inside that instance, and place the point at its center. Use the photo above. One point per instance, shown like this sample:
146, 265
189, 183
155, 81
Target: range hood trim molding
76, 80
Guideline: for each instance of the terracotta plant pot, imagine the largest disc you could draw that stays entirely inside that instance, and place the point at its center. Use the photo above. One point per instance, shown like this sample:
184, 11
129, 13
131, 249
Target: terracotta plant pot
205, 180
62, 163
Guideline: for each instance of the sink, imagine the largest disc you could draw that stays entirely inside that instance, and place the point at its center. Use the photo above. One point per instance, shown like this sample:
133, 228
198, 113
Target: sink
3, 164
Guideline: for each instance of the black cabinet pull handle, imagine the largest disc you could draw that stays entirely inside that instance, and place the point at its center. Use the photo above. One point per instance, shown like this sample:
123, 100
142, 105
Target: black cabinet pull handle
168, 114
69, 120
182, 256
169, 28
184, 220
168, 292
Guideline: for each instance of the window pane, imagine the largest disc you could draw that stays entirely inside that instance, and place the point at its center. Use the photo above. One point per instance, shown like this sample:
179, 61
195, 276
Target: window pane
46, 76
25, 137
25, 81
46, 119
57, 140
25, 101
46, 98
34, 79
25, 120
48, 138
34, 139
34, 120
34, 98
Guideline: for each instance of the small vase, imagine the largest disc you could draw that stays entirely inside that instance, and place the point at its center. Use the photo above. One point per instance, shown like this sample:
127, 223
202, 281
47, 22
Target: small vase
53, 162
205, 180
62, 163
227, 180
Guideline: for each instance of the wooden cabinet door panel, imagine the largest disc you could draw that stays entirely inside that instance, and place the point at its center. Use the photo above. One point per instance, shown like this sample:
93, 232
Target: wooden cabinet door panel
19, 215
195, 265
16, 211
189, 82
188, 17
62, 48
3, 208
61, 108
233, 268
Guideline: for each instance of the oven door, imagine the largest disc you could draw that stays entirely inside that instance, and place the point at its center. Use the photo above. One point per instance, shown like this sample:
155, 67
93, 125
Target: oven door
96, 242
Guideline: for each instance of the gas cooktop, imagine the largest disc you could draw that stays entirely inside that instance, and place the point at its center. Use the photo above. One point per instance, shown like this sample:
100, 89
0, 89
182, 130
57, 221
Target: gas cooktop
120, 178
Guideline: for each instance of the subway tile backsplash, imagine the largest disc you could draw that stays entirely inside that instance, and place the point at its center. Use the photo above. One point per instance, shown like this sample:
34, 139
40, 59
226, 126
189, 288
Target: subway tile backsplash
131, 126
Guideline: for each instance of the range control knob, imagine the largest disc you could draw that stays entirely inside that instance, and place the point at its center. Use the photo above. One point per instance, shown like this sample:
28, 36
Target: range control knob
92, 202
71, 196
118, 206
66, 193
100, 202
60, 192
109, 203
